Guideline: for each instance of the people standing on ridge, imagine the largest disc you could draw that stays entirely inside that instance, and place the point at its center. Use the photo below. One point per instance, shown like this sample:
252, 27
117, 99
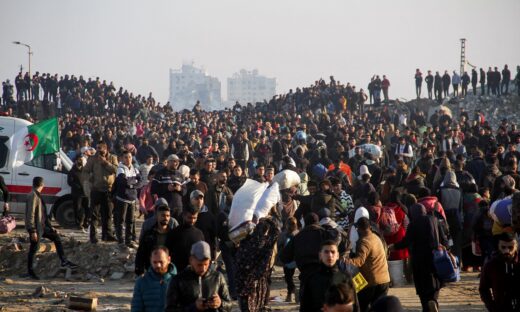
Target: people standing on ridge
418, 82
429, 84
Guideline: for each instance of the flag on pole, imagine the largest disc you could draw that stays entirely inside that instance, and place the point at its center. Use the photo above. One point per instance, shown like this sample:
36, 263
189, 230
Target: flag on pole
35, 140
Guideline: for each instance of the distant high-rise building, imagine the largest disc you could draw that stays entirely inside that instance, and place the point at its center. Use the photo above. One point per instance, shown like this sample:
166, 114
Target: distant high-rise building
191, 84
250, 87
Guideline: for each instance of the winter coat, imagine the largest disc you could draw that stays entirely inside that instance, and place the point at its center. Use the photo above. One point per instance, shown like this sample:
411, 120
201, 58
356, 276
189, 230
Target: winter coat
179, 243
150, 290
127, 179
36, 219
184, 289
219, 198
147, 242
402, 219
499, 282
101, 175
74, 180
371, 260
305, 247
315, 287
421, 240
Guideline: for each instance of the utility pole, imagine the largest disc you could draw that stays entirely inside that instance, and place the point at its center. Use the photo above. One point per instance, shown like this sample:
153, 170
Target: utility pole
29, 53
462, 55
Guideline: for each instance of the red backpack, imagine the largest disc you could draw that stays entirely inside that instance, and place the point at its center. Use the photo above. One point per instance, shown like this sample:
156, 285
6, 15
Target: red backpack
388, 222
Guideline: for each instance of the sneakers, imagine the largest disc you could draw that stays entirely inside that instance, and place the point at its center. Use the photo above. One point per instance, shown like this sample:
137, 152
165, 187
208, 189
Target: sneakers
68, 264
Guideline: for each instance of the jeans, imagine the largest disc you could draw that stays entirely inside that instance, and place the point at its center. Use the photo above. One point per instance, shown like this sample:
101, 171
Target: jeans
418, 91
33, 248
124, 212
505, 85
430, 94
101, 208
81, 210
455, 89
370, 294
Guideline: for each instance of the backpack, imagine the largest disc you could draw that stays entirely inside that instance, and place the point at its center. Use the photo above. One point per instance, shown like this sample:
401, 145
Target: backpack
388, 222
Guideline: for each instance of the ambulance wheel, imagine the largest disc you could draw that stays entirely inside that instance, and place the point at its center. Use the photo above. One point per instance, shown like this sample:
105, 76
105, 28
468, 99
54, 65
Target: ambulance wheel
65, 214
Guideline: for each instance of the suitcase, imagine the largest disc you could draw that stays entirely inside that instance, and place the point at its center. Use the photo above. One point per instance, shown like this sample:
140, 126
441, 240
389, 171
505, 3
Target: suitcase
7, 224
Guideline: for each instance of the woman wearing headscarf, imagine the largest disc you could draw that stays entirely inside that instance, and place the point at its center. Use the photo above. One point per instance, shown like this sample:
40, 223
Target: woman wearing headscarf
421, 239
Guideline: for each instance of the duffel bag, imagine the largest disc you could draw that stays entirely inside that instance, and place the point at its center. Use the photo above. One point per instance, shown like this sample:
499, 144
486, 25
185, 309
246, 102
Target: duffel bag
7, 224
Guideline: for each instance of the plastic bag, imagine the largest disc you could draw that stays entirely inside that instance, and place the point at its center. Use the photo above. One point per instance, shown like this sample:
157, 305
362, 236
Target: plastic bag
286, 179
270, 197
244, 202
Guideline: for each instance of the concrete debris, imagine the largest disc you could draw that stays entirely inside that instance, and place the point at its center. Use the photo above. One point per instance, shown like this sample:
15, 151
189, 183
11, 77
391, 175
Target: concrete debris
42, 291
495, 108
8, 281
96, 262
117, 275
82, 303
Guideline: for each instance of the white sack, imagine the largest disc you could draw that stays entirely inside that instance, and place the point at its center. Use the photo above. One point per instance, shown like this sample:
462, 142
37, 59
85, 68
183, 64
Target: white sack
287, 178
244, 202
270, 198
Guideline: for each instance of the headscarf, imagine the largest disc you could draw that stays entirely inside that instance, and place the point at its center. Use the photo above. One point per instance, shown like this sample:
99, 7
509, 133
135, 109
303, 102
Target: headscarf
450, 180
353, 235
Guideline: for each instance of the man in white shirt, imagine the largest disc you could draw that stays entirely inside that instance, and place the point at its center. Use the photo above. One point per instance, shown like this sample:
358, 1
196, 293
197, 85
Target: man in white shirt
403, 151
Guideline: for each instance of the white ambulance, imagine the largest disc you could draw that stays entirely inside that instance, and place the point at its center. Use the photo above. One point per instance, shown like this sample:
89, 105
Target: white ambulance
52, 167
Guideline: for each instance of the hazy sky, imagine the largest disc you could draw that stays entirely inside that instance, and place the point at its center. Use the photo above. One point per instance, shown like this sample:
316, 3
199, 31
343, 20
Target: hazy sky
134, 43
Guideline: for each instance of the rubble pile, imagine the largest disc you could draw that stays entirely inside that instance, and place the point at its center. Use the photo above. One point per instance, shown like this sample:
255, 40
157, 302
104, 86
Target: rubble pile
495, 109
96, 262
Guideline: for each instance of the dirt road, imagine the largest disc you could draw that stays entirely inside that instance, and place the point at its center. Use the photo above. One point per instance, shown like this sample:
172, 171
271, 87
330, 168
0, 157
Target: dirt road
17, 294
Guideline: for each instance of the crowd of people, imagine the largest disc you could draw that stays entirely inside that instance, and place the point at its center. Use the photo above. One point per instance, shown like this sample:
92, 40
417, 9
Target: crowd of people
377, 185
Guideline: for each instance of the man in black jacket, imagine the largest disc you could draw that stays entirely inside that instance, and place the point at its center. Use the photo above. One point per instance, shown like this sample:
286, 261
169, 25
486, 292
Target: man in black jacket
305, 247
315, 287
79, 199
219, 196
198, 287
446, 81
429, 83
156, 236
206, 221
474, 80
482, 81
127, 179
162, 184
437, 85
179, 240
